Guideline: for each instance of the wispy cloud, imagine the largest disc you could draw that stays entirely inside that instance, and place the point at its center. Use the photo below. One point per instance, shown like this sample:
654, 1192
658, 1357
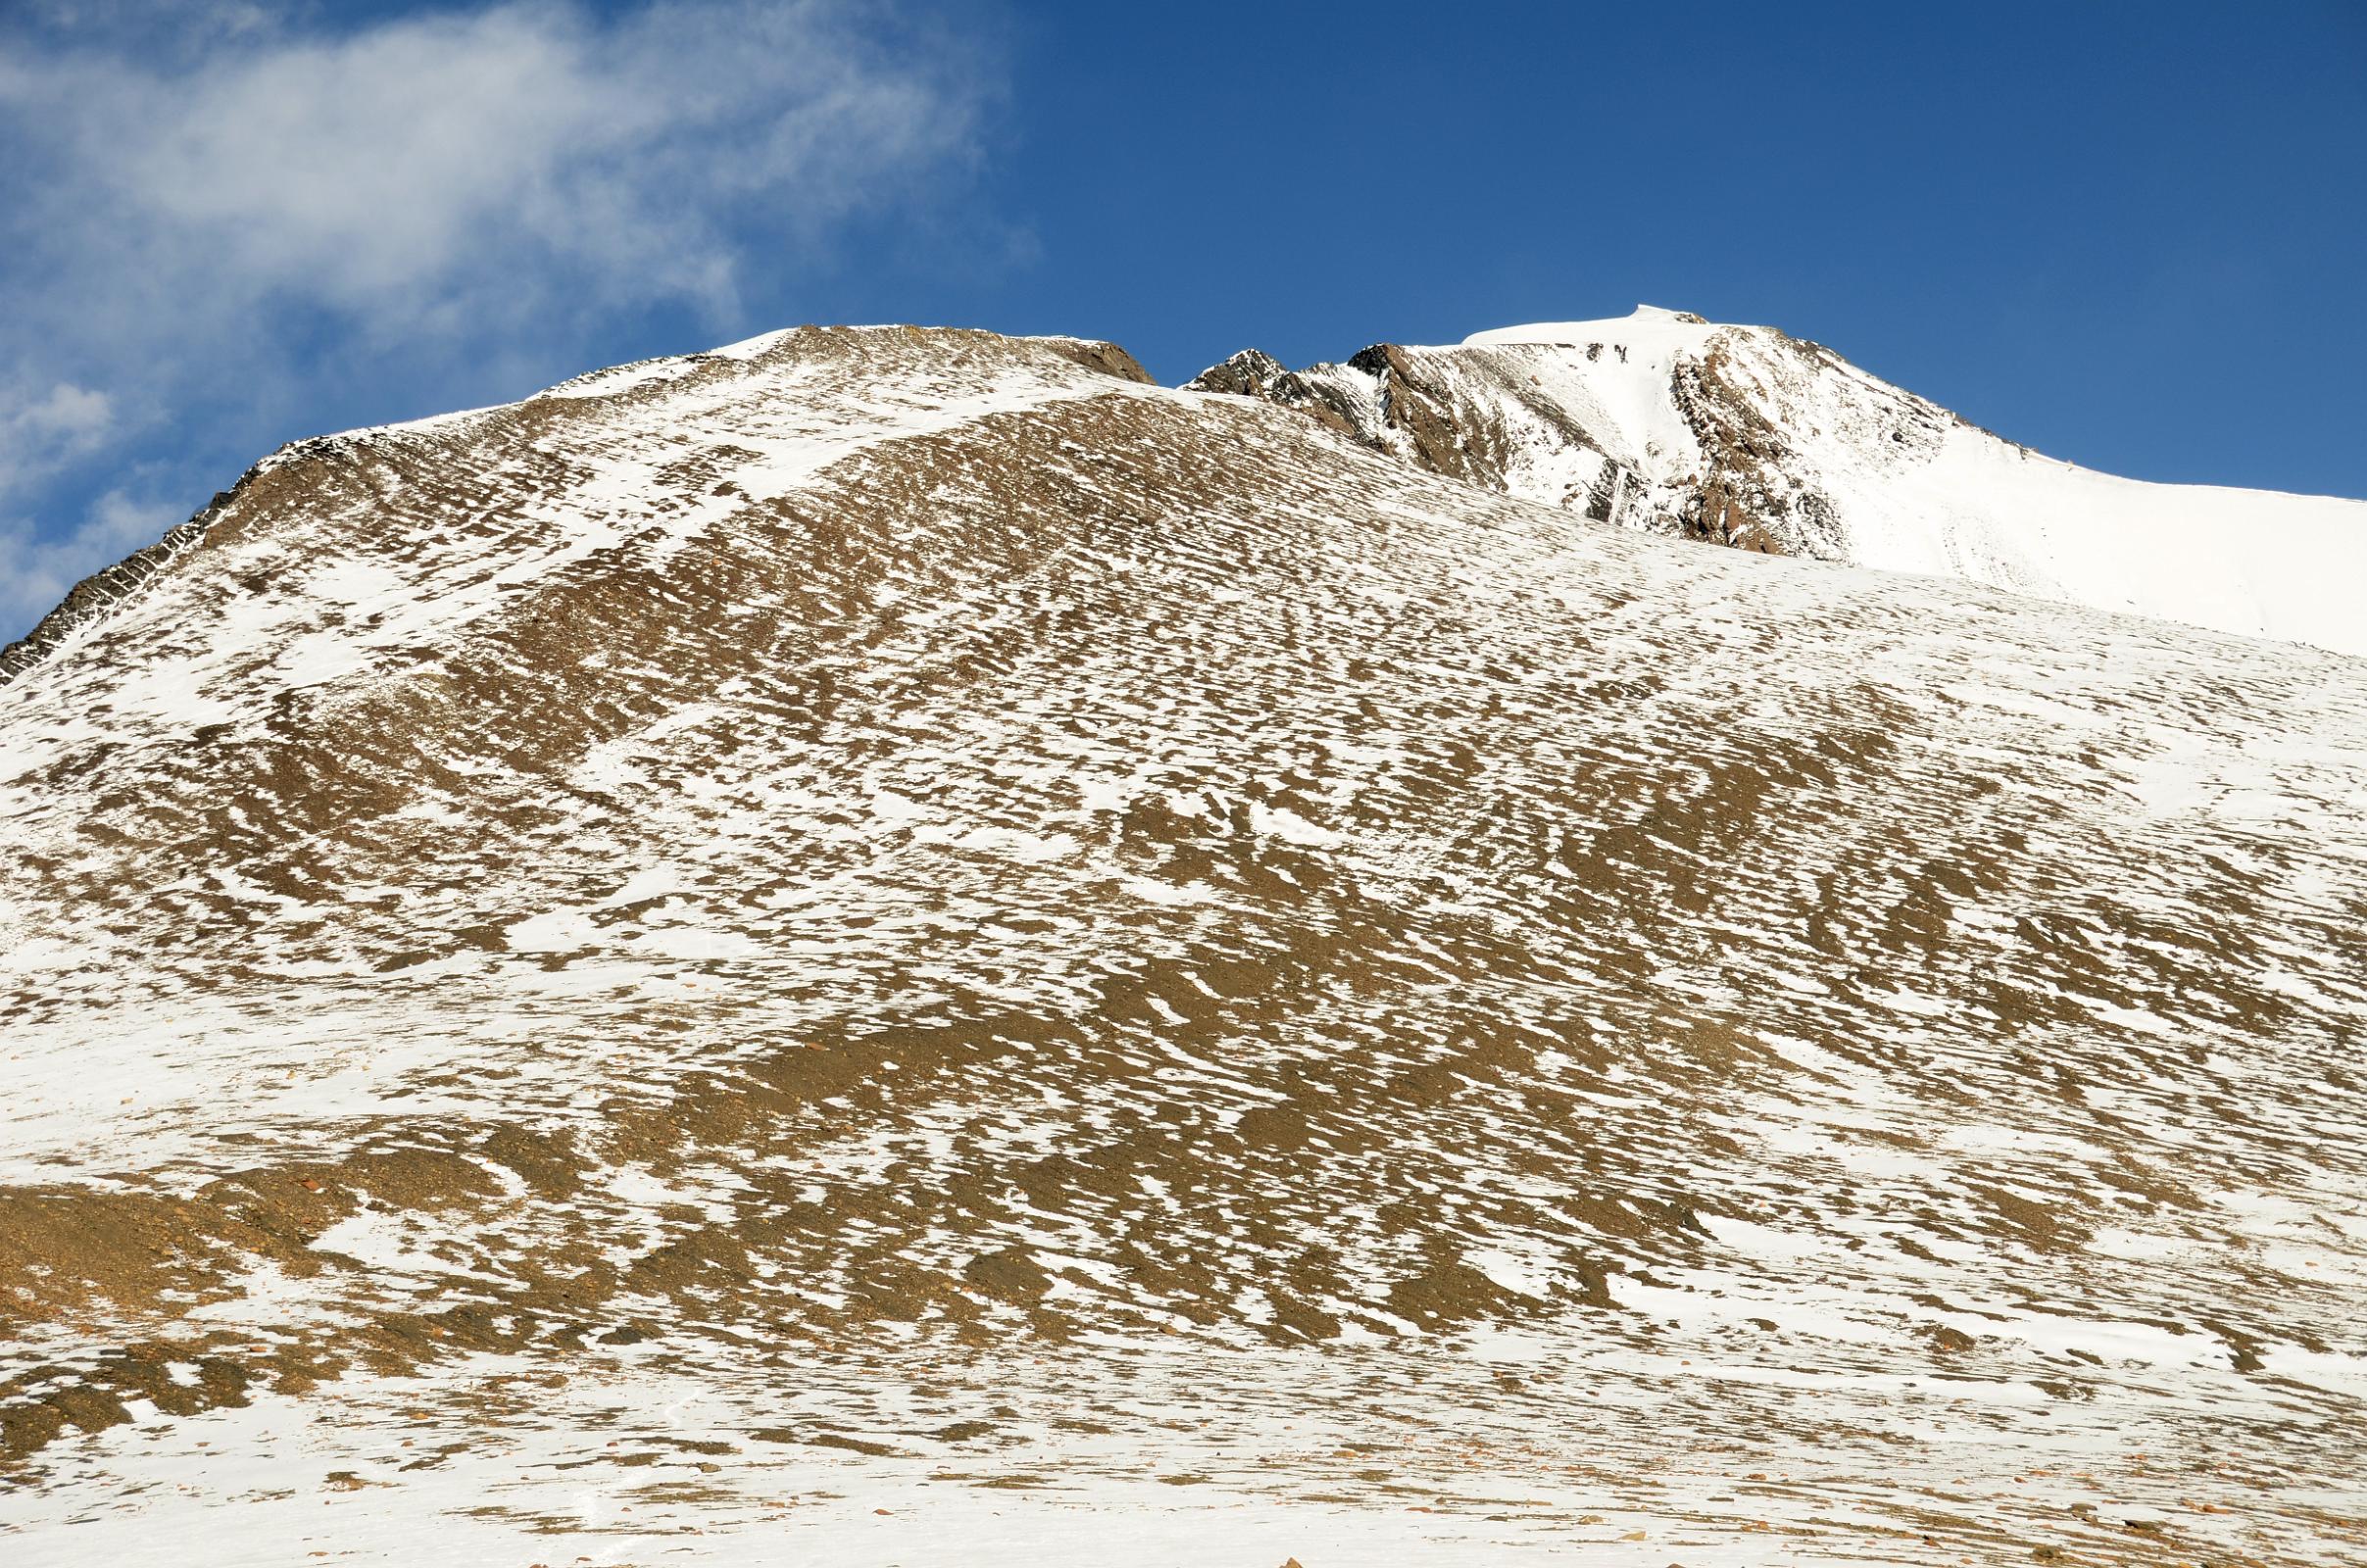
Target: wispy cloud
42, 427
208, 213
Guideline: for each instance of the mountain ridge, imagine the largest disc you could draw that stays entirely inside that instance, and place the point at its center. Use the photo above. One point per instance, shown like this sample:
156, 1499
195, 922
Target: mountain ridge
1669, 423
1418, 404
88, 599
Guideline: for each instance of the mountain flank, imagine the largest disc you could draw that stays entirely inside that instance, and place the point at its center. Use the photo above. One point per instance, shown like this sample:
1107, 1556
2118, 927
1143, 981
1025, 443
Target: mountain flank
895, 945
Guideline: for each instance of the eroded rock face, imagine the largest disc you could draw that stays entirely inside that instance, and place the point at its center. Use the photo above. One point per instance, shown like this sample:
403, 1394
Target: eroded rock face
1464, 416
1488, 415
950, 910
91, 597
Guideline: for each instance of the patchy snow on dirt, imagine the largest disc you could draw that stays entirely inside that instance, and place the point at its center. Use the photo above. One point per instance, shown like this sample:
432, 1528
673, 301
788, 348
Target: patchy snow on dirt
885, 948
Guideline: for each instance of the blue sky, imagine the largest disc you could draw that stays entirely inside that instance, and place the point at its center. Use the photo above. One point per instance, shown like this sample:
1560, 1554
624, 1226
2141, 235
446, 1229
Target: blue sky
2131, 237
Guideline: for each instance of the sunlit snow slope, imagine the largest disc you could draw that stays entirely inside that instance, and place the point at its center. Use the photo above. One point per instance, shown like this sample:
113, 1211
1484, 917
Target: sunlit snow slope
1669, 423
892, 947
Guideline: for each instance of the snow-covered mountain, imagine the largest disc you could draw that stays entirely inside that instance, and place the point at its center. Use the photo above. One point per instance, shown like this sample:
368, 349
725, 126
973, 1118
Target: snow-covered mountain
1667, 423
894, 945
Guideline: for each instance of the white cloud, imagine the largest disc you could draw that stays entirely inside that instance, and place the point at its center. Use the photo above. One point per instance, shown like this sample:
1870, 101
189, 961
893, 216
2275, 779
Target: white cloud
198, 227
374, 170
42, 429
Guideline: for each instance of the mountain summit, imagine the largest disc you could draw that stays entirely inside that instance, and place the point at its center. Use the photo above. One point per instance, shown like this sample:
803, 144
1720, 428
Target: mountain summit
1667, 423
895, 946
